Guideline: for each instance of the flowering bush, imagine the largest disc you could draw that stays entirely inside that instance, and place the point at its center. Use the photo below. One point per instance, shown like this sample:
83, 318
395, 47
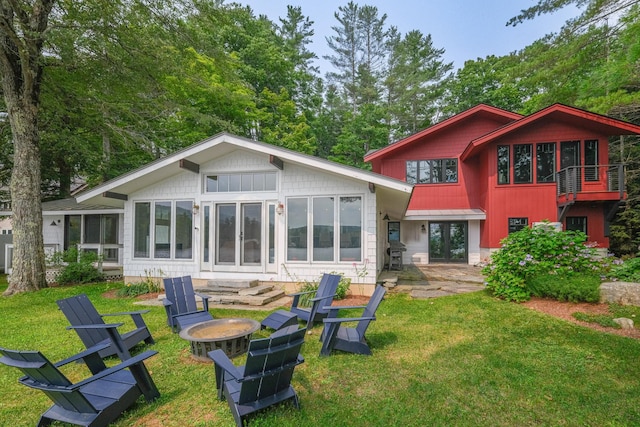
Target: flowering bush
536, 251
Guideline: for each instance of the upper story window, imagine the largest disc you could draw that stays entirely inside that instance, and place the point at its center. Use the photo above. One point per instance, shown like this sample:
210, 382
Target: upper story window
240, 182
503, 164
591, 160
545, 162
432, 171
522, 164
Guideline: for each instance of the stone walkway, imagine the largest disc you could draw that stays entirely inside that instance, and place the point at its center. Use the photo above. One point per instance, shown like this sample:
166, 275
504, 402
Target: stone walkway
434, 280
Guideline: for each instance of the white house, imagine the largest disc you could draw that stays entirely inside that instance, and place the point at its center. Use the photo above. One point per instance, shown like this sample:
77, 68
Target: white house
232, 208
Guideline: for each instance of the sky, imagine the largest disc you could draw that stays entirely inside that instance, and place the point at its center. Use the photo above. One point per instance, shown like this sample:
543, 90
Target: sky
466, 29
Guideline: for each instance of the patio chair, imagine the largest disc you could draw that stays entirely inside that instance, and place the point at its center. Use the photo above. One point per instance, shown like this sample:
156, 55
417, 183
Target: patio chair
265, 379
80, 311
323, 297
94, 401
181, 306
335, 336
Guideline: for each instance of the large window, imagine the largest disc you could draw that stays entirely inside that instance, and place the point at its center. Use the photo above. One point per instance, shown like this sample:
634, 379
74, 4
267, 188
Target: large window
522, 163
323, 230
323, 225
165, 226
503, 164
545, 162
142, 230
591, 160
432, 171
297, 225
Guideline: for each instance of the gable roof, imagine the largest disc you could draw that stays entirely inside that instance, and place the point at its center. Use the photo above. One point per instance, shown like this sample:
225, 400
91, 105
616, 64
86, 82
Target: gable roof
220, 145
560, 112
481, 110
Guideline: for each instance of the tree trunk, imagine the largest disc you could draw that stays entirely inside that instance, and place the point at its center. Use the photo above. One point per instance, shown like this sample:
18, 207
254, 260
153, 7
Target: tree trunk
28, 272
22, 26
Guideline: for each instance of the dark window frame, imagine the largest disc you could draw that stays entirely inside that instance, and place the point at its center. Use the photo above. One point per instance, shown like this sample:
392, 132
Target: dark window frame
432, 171
517, 224
543, 152
504, 160
527, 164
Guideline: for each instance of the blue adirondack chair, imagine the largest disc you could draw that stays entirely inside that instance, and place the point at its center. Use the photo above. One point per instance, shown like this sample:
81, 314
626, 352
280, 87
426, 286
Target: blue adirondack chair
94, 401
335, 336
180, 304
79, 311
323, 297
265, 379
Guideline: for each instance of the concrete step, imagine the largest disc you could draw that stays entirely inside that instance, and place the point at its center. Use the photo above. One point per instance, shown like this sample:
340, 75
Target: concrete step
230, 283
253, 300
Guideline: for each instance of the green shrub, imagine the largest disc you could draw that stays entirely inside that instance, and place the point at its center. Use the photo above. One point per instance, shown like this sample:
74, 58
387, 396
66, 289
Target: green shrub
148, 285
536, 251
312, 287
80, 269
628, 270
577, 287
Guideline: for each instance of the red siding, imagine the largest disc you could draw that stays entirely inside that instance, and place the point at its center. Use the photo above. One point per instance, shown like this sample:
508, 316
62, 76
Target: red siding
477, 176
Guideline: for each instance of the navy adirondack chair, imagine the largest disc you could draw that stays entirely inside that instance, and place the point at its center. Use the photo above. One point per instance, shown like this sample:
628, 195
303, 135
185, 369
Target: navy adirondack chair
79, 311
181, 306
315, 313
335, 336
265, 379
94, 401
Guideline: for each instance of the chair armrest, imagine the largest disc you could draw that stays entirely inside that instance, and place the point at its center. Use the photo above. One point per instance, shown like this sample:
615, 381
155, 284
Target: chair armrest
126, 313
125, 364
88, 352
166, 302
301, 293
343, 307
221, 360
347, 319
322, 298
205, 300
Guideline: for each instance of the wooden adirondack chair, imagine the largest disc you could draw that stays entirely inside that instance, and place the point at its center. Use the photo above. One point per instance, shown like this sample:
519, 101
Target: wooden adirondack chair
180, 304
79, 311
339, 337
265, 379
94, 401
323, 298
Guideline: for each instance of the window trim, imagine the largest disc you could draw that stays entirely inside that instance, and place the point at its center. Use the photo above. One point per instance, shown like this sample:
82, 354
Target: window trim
151, 248
337, 229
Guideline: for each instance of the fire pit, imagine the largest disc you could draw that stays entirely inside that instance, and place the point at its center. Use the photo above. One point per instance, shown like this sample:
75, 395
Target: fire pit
230, 335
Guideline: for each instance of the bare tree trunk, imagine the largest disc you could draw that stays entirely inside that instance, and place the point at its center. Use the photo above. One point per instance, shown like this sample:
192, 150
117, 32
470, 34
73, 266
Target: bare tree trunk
23, 24
28, 272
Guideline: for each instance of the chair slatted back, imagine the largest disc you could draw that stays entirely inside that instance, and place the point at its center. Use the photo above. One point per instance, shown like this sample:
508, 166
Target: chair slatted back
327, 288
41, 374
270, 364
179, 290
370, 309
79, 310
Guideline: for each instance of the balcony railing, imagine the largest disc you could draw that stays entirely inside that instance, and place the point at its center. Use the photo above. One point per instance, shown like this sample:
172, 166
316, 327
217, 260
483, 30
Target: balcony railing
575, 180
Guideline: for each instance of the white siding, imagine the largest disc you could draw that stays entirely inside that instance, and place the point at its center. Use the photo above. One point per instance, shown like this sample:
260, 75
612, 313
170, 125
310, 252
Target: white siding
293, 181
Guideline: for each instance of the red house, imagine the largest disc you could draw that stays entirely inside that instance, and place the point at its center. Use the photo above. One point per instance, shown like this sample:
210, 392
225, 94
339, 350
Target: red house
487, 172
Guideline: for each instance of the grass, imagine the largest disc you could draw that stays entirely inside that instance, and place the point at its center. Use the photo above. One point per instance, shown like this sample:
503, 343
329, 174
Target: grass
615, 311
466, 360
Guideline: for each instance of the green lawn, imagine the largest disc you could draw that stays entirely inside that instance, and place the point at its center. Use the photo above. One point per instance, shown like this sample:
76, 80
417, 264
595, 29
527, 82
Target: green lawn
467, 360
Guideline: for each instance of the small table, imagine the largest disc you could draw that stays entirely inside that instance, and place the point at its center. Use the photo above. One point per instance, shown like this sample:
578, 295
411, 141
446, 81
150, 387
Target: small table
229, 335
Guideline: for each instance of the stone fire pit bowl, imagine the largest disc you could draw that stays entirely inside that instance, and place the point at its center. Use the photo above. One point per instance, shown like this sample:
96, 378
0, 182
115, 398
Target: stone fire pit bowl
229, 335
